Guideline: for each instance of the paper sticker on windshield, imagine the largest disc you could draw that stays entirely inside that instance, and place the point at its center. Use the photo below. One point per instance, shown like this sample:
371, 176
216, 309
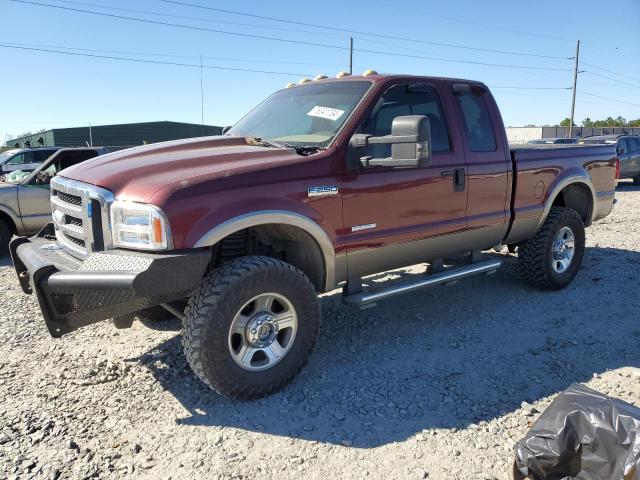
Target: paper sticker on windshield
325, 112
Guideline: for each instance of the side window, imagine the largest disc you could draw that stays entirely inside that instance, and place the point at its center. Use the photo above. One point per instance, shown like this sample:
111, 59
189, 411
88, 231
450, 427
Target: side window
401, 100
29, 157
16, 159
477, 121
43, 155
622, 147
634, 144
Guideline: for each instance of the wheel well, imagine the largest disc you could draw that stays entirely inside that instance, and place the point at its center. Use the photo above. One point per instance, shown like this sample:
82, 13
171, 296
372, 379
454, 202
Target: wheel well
286, 242
578, 197
9, 221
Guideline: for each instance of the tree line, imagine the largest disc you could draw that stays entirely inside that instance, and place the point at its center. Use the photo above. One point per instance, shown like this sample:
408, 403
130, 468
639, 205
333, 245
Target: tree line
607, 122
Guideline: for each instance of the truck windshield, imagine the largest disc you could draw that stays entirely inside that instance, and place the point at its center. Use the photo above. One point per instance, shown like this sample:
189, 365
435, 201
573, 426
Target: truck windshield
305, 115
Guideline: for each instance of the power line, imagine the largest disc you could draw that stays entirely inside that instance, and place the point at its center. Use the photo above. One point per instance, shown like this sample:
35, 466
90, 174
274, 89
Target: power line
609, 98
612, 79
169, 55
156, 62
468, 22
188, 27
611, 71
449, 60
185, 17
298, 42
359, 32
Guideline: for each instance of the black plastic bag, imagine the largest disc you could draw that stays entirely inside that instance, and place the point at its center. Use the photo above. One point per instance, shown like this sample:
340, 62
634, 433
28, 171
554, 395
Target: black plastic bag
583, 435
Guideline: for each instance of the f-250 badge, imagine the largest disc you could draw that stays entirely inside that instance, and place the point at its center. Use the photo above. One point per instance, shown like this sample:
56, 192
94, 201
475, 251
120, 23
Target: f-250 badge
322, 191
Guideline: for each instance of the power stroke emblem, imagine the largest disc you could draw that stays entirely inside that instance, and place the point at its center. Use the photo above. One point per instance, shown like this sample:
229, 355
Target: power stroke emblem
322, 191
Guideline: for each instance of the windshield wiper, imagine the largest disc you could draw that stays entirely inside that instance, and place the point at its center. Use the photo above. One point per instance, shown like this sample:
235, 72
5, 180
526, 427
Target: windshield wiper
304, 149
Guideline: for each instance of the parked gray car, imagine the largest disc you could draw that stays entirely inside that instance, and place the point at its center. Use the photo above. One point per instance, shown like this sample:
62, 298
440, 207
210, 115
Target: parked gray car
554, 140
27, 159
24, 201
628, 150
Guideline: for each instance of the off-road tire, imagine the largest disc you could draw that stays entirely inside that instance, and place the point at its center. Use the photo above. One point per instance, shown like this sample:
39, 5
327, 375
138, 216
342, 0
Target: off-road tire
5, 236
534, 256
211, 310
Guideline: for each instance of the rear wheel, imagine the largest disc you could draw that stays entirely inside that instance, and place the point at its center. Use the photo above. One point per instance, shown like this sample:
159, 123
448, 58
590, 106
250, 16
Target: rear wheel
636, 179
552, 258
251, 326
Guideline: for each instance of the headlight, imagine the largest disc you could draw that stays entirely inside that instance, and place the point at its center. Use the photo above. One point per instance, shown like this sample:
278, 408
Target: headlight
140, 226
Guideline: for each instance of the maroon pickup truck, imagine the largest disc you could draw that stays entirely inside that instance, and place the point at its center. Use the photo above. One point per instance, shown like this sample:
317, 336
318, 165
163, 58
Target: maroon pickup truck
322, 184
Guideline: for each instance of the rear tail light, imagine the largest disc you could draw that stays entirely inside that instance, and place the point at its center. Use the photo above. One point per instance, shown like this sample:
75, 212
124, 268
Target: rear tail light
617, 170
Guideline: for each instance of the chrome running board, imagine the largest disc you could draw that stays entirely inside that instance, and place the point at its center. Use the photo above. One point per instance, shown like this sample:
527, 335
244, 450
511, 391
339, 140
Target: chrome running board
431, 280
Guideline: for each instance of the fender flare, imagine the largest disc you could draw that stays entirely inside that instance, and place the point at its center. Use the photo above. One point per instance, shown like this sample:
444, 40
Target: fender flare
583, 179
284, 217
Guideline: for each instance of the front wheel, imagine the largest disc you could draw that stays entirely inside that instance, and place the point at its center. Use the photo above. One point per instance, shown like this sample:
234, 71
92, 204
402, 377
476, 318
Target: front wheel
251, 326
552, 258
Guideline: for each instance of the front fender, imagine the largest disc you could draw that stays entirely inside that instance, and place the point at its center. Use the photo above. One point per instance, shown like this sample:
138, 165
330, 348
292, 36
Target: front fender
282, 217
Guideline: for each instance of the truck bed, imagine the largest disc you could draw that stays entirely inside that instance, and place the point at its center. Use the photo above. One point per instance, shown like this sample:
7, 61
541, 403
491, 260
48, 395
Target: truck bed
539, 171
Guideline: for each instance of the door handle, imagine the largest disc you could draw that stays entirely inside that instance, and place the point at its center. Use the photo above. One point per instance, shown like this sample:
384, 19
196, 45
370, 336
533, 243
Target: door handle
459, 180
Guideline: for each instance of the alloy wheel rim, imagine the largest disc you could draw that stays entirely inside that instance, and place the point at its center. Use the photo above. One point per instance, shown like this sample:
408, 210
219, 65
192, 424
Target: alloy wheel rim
563, 250
262, 332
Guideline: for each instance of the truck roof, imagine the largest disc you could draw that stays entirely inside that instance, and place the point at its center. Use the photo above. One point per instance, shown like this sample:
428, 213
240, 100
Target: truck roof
380, 77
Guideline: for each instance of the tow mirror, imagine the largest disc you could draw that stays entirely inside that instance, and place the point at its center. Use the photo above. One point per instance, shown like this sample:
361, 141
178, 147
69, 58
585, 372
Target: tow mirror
226, 129
410, 142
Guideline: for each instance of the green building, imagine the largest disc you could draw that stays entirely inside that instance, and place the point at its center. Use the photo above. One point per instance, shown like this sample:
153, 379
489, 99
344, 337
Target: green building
122, 135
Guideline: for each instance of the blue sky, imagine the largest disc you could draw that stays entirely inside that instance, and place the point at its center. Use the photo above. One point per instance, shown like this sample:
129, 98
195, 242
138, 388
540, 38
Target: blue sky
41, 90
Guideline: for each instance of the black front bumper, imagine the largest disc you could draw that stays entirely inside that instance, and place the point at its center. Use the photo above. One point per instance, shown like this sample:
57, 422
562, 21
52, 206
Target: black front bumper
74, 293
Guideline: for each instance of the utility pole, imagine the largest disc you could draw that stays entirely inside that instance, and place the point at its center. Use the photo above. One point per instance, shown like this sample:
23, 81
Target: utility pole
90, 136
351, 55
575, 82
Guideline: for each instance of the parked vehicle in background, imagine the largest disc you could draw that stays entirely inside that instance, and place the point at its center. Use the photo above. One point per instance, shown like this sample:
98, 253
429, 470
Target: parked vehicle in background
26, 159
25, 198
627, 149
322, 184
557, 140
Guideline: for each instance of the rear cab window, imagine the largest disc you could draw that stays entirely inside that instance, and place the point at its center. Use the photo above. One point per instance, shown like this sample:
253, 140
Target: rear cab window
479, 130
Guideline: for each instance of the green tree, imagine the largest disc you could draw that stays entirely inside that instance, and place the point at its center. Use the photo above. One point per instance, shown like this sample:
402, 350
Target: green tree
566, 122
587, 122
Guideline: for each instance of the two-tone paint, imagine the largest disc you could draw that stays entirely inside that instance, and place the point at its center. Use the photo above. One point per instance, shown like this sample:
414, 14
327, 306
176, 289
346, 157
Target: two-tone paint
212, 187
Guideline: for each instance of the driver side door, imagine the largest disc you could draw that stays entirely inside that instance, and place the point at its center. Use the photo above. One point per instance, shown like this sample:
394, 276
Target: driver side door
398, 216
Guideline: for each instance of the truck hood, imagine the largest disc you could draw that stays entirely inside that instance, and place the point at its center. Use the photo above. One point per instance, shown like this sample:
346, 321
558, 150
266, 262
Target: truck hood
139, 173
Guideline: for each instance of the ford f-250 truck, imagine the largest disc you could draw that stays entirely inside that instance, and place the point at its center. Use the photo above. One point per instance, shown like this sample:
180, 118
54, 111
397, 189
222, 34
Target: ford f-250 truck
322, 184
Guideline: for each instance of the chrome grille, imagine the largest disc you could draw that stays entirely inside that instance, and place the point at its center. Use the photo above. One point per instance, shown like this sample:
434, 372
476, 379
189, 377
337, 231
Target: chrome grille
80, 216
72, 199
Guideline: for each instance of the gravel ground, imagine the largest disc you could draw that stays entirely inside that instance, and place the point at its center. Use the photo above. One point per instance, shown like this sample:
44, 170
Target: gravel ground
436, 384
